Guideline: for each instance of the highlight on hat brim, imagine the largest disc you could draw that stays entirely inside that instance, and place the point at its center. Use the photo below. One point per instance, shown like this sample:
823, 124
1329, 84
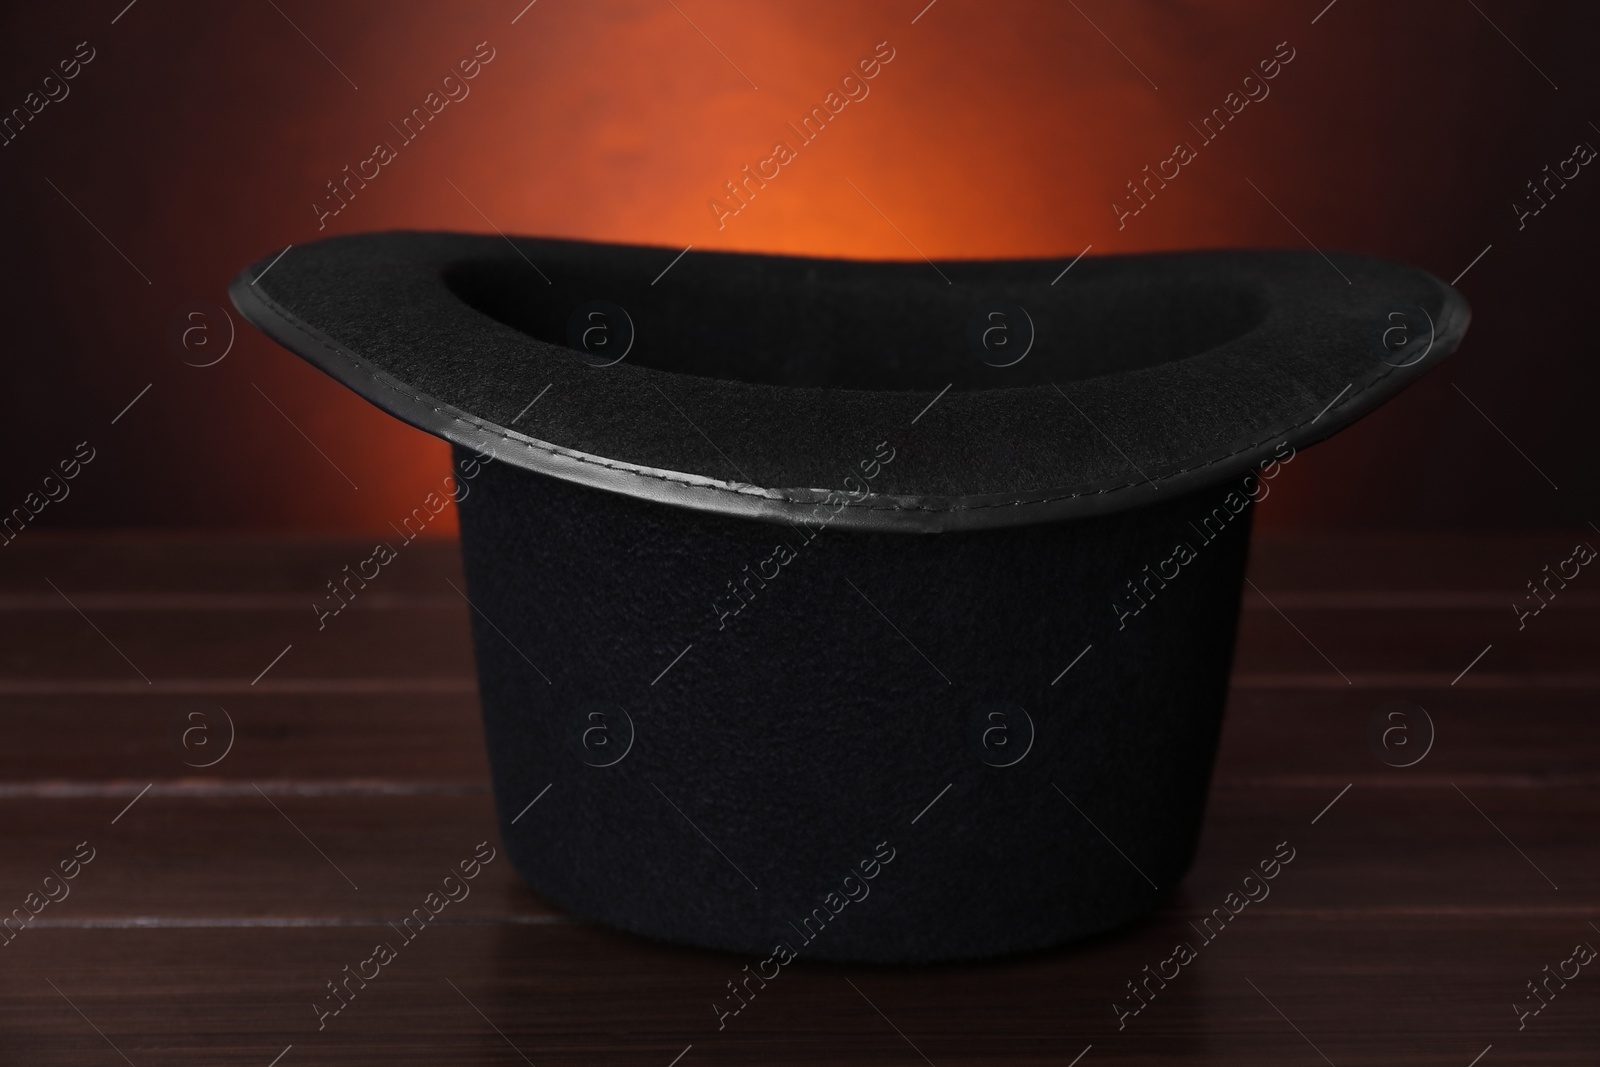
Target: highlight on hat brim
769, 386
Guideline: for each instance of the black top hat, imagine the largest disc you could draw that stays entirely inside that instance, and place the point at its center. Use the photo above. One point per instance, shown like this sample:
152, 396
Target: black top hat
1095, 431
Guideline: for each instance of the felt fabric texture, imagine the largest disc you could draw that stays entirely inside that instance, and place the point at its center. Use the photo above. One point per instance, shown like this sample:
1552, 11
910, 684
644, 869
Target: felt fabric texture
756, 383
795, 737
708, 729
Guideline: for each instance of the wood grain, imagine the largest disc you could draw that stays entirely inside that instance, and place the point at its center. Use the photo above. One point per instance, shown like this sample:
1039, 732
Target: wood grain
1420, 901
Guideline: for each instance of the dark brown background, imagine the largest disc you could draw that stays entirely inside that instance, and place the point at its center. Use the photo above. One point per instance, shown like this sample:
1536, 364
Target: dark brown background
200, 135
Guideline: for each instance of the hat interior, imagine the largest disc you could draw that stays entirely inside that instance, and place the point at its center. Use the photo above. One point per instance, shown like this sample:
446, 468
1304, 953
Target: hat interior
828, 324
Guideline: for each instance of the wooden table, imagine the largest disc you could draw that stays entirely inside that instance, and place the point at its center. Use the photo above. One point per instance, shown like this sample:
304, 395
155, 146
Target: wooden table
221, 899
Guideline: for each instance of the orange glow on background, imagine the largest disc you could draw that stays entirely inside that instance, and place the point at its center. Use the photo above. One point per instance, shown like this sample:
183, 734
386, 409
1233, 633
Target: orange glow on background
199, 140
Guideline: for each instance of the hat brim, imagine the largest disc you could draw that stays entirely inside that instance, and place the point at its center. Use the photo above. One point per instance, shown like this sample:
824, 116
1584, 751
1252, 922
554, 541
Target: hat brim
761, 385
